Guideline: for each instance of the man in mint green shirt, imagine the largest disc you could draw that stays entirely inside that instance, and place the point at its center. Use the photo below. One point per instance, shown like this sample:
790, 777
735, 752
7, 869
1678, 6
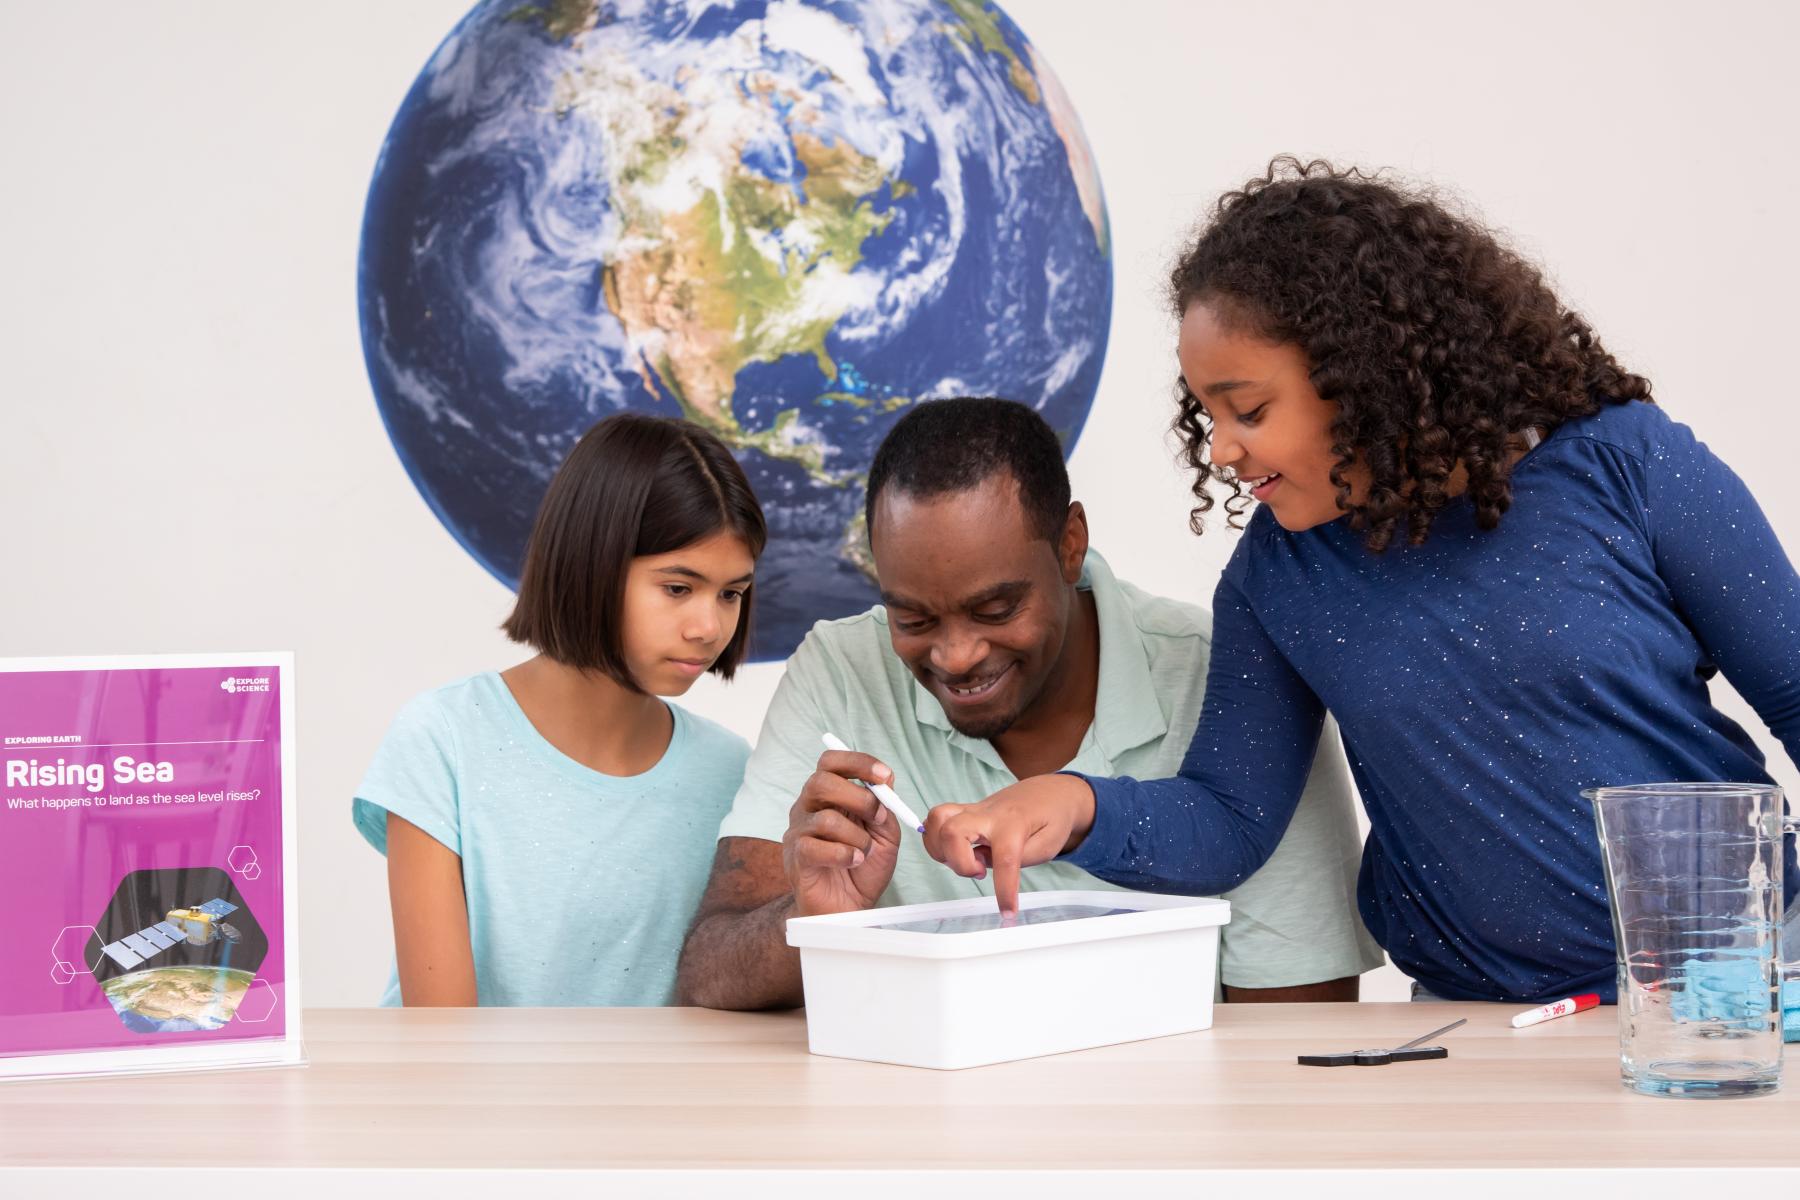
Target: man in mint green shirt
1004, 648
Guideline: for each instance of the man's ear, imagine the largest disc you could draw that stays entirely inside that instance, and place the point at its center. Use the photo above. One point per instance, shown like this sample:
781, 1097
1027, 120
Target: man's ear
1071, 551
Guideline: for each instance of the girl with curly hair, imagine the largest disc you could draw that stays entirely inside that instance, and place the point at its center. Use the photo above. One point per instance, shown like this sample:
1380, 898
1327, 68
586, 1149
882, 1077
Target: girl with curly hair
1480, 547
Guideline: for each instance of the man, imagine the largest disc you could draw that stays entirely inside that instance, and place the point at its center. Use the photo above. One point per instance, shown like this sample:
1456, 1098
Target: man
1003, 648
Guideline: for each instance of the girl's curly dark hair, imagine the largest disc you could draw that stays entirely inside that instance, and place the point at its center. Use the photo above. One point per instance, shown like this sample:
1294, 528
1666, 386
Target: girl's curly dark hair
1438, 344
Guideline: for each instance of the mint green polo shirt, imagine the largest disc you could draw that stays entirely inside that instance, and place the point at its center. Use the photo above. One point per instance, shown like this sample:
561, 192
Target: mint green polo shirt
1293, 922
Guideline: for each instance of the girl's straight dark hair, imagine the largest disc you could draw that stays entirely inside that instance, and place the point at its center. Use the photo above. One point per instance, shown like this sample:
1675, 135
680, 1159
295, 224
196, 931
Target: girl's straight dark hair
634, 485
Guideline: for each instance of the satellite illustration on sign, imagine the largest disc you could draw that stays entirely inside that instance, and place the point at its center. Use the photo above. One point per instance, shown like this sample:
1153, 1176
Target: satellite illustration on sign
168, 963
785, 221
200, 925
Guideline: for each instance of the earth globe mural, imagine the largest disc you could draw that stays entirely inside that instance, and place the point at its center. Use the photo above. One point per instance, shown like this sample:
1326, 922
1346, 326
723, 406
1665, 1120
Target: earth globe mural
785, 221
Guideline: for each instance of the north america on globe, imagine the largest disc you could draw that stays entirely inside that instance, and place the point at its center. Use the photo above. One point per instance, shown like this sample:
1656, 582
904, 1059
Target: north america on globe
785, 221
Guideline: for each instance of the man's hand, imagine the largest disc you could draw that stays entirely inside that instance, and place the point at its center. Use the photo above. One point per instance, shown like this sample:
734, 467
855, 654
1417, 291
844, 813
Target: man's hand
837, 856
841, 844
1029, 823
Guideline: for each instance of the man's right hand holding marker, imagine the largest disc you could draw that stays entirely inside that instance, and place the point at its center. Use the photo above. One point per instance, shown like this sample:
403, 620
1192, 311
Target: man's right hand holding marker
1031, 822
841, 844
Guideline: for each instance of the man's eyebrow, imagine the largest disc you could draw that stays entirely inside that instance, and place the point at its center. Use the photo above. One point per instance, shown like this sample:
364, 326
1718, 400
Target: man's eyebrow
690, 573
1009, 590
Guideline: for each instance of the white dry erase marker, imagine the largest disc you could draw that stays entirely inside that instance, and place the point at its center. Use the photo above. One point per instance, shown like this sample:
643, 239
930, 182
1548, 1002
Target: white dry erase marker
1561, 1008
882, 791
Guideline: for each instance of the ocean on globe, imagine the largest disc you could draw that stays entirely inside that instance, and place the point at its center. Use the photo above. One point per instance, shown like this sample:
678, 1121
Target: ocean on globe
786, 221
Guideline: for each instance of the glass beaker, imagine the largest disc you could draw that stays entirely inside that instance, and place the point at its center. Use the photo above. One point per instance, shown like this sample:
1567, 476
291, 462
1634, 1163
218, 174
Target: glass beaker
1694, 872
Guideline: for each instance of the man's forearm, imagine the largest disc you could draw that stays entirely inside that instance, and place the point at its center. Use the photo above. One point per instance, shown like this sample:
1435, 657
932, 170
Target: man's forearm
741, 960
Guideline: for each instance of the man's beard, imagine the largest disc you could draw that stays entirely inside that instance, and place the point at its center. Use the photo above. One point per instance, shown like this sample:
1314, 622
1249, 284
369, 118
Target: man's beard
985, 730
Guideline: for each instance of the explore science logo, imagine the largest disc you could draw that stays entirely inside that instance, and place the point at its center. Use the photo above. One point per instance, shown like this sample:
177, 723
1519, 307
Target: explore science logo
240, 683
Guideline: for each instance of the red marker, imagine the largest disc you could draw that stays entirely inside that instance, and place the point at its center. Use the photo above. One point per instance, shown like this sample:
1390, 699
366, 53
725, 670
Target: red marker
1561, 1008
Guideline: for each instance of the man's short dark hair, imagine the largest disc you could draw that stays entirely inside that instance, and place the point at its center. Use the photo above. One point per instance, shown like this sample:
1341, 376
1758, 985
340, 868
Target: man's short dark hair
633, 486
953, 445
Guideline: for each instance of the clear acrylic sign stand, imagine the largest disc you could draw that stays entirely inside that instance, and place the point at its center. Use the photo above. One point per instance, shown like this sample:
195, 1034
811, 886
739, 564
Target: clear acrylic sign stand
147, 864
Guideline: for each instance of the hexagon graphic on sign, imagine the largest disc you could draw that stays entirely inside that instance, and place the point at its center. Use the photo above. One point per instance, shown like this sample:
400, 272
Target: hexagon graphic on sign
259, 1002
175, 951
74, 952
242, 859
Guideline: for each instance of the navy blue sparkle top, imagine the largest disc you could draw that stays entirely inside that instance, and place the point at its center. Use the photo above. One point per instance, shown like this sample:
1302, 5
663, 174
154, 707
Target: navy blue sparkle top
1481, 680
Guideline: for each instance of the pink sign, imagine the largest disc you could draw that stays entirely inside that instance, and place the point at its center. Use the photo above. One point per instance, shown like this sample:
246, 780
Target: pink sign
146, 863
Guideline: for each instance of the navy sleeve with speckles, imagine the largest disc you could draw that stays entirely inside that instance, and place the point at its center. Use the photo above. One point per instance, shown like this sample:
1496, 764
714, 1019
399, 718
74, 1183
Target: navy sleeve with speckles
1730, 579
1209, 828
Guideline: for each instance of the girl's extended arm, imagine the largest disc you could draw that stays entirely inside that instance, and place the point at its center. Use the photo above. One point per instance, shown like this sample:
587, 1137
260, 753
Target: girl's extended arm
431, 919
1210, 827
1200, 833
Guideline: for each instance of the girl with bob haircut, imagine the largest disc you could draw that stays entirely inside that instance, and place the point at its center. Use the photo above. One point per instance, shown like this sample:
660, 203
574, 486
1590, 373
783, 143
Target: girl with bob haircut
1480, 546
549, 828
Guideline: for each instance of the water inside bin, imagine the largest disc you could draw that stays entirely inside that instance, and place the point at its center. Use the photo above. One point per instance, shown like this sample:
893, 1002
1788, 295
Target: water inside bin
980, 922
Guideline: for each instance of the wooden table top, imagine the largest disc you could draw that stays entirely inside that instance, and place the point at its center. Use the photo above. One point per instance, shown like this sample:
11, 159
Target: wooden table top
664, 1089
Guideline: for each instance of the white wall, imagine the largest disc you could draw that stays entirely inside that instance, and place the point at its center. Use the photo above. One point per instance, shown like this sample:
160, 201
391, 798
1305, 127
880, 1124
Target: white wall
190, 457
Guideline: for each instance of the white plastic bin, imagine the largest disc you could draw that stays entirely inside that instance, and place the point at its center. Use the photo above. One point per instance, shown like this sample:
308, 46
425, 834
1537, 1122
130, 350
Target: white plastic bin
950, 999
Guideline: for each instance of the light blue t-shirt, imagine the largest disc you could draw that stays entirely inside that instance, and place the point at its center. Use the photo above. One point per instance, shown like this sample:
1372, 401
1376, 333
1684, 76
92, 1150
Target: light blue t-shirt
580, 886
